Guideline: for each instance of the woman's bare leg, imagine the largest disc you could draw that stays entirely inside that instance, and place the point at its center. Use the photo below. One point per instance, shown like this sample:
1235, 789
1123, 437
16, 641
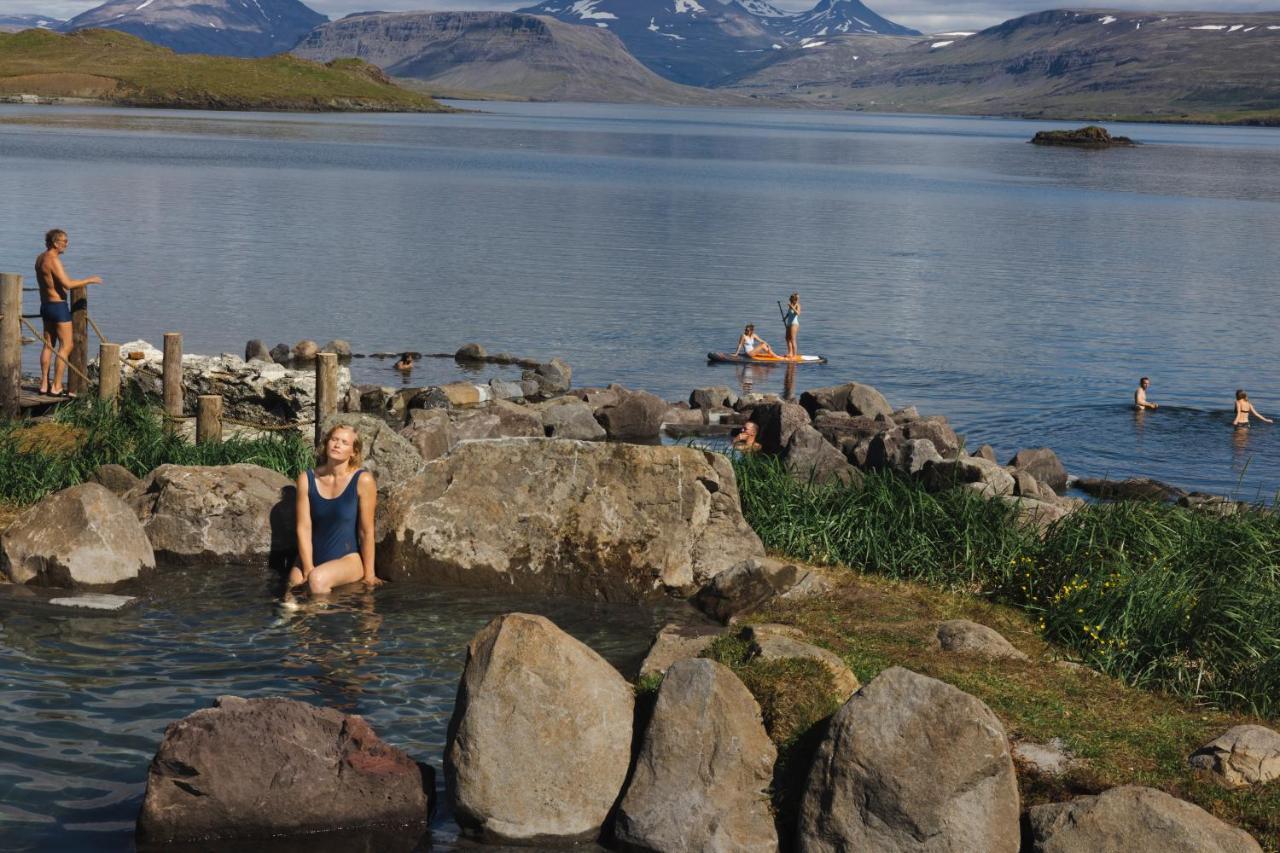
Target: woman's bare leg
335, 573
792, 350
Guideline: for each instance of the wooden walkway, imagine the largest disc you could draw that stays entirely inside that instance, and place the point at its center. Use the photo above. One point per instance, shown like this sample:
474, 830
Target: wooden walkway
33, 402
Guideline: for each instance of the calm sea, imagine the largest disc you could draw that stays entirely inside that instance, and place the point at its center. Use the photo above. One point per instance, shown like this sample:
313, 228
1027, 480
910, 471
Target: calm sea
1020, 290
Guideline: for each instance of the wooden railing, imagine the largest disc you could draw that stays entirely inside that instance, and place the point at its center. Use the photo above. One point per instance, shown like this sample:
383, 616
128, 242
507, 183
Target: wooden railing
209, 413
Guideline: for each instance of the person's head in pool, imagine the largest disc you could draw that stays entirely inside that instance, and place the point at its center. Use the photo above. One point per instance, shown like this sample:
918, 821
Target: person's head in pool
1241, 395
342, 444
405, 362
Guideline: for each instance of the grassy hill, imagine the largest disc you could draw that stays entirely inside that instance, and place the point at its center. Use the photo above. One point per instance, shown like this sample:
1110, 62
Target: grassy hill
116, 68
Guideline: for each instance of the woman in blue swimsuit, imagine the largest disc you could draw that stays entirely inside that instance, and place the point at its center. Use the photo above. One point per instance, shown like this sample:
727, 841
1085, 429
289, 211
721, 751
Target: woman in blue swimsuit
335, 506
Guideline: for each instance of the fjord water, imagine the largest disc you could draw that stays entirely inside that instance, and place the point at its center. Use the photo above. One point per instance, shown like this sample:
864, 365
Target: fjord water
1020, 290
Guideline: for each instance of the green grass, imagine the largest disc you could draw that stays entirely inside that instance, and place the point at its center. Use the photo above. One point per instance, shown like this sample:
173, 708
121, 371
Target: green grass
1124, 735
36, 459
1162, 597
118, 67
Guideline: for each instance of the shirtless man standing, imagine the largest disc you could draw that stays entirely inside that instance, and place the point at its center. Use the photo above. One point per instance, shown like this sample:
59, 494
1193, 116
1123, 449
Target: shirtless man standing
55, 308
1140, 395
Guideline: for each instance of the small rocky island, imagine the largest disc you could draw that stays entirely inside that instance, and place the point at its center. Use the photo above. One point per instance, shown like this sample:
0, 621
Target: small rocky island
1090, 136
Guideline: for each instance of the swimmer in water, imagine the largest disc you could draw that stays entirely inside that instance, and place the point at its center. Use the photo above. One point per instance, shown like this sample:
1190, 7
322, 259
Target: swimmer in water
1243, 409
1140, 400
405, 364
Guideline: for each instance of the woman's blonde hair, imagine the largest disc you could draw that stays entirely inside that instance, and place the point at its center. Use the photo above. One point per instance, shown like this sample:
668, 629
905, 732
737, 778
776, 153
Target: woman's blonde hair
357, 446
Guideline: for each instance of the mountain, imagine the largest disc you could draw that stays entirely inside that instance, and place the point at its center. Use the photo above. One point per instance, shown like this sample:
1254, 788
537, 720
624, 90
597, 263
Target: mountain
840, 17
1061, 63
219, 27
686, 41
499, 54
17, 23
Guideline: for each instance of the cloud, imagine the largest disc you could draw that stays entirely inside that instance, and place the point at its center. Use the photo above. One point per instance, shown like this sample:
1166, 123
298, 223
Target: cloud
925, 15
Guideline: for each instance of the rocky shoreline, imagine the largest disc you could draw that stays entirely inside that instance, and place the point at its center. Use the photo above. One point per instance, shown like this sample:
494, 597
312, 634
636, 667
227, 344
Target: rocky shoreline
536, 485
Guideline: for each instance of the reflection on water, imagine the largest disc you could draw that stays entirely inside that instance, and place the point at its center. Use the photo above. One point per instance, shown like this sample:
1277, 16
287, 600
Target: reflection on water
86, 700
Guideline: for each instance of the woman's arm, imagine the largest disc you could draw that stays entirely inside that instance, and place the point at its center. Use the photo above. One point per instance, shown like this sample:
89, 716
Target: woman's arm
1254, 409
368, 492
302, 524
741, 340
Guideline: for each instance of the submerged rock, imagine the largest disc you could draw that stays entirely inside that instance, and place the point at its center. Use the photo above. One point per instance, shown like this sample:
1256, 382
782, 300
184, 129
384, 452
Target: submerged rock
540, 739
702, 770
81, 536
262, 768
566, 516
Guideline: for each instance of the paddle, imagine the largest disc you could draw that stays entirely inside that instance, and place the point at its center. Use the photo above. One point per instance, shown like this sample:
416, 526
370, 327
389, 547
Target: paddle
783, 313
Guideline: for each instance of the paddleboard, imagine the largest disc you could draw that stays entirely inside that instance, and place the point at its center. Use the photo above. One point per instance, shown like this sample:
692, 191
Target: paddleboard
730, 358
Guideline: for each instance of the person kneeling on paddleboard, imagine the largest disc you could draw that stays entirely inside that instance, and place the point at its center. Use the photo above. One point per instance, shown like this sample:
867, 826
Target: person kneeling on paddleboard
753, 344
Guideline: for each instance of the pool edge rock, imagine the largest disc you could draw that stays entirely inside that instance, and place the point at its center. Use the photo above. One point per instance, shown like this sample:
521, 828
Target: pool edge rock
618, 521
260, 768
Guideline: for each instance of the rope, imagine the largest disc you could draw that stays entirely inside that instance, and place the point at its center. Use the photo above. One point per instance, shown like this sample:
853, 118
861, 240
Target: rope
101, 337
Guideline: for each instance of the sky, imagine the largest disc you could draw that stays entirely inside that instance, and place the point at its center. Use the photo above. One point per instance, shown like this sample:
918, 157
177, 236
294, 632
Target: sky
930, 16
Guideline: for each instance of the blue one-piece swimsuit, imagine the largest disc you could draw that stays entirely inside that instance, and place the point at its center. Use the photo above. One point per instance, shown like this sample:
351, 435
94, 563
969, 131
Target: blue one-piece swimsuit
334, 521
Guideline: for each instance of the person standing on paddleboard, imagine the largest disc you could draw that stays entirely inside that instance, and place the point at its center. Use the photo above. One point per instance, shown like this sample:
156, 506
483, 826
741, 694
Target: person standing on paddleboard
791, 322
754, 345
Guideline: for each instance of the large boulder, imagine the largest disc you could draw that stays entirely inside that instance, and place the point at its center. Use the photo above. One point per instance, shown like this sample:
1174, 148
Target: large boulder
387, 455
567, 516
1132, 489
256, 350
569, 417
637, 416
81, 536
777, 423
810, 459
937, 430
852, 397
1131, 818
117, 479
262, 768
910, 763
430, 431
1043, 464
216, 514
939, 476
715, 397
702, 770
551, 378
515, 420
674, 643
751, 585
259, 392
1243, 755
540, 738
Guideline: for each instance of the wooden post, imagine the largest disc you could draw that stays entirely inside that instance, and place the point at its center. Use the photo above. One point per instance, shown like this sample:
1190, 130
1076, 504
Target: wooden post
109, 372
79, 360
209, 419
10, 344
326, 389
173, 375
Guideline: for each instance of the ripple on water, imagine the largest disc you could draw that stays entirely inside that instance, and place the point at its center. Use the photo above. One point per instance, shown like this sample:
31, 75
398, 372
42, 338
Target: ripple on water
86, 699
